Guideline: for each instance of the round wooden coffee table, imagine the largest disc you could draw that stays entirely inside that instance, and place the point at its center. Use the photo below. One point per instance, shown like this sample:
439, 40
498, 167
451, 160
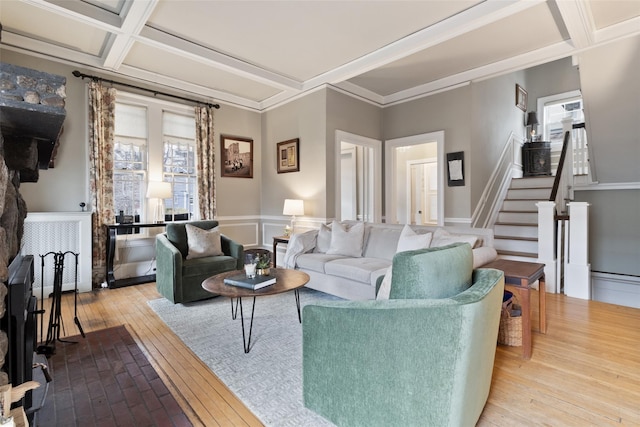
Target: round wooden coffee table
286, 280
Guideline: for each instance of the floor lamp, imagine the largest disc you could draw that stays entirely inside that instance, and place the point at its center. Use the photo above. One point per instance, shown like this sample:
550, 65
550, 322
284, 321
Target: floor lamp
293, 207
159, 190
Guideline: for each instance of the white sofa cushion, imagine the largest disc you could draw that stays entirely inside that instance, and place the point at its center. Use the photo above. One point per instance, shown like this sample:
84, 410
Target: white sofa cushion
381, 242
357, 269
323, 242
346, 241
315, 261
443, 238
410, 240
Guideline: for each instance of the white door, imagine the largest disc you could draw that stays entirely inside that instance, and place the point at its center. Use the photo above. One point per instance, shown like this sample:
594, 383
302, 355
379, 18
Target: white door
349, 208
423, 194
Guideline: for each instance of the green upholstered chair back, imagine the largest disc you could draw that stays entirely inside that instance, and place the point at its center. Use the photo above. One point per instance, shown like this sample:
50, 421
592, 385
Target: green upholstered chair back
432, 273
177, 233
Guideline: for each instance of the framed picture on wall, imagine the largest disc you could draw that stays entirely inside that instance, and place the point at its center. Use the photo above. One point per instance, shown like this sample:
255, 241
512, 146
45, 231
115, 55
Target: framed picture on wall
455, 169
236, 160
289, 156
521, 98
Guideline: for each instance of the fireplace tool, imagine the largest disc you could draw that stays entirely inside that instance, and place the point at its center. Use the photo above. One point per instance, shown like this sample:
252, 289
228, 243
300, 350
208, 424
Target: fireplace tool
55, 315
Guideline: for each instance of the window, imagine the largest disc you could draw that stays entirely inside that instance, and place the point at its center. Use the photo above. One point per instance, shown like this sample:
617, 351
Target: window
130, 159
179, 160
154, 140
555, 109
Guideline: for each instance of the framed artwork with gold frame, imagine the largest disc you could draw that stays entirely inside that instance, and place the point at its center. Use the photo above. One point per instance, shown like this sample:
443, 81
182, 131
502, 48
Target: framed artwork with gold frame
289, 156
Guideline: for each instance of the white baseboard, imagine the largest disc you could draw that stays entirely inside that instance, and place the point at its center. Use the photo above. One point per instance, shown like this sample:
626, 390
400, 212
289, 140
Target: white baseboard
616, 289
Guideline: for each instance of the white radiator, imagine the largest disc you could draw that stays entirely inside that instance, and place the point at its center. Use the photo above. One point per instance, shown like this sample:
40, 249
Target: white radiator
54, 232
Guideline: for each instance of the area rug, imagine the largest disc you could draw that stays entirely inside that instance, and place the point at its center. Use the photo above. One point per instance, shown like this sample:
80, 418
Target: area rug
268, 379
105, 380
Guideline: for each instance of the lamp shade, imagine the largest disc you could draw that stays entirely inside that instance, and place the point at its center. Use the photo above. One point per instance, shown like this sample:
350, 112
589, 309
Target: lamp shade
532, 118
293, 207
159, 190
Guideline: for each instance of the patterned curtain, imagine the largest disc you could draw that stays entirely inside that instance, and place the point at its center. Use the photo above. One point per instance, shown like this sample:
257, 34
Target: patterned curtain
205, 148
102, 104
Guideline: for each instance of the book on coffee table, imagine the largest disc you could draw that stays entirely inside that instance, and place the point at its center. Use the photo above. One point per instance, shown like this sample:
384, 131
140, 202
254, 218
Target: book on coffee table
242, 281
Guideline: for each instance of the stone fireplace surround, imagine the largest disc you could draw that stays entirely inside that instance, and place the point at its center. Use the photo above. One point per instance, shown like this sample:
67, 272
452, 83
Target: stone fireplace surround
31, 117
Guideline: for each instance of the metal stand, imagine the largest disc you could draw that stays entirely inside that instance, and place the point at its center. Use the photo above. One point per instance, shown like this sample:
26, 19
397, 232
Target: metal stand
55, 316
246, 341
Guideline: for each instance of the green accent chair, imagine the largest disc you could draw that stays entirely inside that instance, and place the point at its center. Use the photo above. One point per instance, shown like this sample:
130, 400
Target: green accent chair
424, 357
179, 279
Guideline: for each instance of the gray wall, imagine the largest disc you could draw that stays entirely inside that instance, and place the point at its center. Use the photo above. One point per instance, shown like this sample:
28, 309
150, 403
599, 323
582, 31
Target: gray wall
611, 91
614, 230
304, 119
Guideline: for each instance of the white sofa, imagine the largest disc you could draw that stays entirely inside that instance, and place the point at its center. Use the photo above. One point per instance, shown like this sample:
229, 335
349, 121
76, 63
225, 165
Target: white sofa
349, 265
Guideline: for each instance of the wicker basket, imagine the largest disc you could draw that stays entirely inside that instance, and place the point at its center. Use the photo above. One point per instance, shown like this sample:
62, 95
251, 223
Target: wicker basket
510, 331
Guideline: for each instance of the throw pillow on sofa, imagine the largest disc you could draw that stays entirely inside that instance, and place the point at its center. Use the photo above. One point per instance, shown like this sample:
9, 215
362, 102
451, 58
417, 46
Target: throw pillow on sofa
346, 241
410, 240
203, 243
323, 241
444, 238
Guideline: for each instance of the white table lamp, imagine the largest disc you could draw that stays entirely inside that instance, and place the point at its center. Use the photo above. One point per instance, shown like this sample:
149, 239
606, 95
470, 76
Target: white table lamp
293, 207
159, 190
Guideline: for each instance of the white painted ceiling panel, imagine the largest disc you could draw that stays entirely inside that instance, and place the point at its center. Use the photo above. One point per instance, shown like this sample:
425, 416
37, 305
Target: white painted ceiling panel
259, 54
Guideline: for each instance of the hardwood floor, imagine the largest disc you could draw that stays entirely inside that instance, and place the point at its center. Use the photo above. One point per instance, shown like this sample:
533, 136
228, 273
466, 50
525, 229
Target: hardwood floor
584, 371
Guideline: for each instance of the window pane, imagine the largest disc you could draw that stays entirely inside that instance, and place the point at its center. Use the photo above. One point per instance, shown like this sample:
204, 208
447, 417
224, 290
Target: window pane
179, 156
129, 154
128, 192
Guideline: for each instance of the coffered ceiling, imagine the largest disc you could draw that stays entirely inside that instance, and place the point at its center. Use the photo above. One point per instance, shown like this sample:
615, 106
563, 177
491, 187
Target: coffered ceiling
258, 54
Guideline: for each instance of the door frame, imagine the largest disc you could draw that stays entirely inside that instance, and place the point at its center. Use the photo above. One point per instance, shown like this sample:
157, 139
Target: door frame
391, 170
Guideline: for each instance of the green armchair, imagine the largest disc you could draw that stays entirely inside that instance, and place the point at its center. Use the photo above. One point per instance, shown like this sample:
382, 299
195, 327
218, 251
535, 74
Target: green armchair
179, 279
412, 360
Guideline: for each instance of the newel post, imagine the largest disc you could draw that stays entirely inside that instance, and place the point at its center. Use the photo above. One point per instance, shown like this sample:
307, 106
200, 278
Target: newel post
546, 243
577, 275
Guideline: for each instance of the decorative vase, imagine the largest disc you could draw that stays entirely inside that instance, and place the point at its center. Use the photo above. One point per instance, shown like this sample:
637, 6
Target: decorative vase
262, 271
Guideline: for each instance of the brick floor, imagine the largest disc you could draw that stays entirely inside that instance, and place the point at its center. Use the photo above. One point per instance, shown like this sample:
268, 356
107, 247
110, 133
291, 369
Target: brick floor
106, 380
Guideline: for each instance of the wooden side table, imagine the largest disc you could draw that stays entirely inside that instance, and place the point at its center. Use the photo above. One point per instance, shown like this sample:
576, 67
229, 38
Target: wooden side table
518, 278
276, 240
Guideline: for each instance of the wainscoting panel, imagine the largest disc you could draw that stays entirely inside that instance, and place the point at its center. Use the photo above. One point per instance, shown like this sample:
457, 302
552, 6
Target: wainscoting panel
46, 232
245, 233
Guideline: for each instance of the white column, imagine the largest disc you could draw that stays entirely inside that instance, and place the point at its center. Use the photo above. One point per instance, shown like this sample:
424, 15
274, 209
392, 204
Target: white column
546, 243
577, 275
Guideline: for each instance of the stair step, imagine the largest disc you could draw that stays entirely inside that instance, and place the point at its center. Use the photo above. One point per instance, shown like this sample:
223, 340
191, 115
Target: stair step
518, 217
518, 256
538, 193
516, 244
516, 231
520, 205
537, 181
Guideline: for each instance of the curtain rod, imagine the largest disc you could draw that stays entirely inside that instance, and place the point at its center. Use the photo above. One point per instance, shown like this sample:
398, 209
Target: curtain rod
77, 73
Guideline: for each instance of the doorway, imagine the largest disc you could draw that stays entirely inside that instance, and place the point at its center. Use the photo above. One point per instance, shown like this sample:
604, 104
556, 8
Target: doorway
414, 185
358, 178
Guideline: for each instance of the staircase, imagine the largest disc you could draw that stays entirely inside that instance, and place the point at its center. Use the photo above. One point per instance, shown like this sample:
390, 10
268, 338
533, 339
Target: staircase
516, 228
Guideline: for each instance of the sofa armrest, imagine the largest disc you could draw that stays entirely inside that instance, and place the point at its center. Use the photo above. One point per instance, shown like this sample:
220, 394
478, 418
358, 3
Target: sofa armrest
233, 249
299, 243
168, 267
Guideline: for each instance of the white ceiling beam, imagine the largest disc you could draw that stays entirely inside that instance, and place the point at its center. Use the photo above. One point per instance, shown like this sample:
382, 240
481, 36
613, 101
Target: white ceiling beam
520, 62
476, 17
134, 21
181, 47
81, 12
578, 19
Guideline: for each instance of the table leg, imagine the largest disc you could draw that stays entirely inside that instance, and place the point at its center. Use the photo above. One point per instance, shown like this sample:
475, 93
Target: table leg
247, 342
542, 304
275, 246
297, 294
234, 311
